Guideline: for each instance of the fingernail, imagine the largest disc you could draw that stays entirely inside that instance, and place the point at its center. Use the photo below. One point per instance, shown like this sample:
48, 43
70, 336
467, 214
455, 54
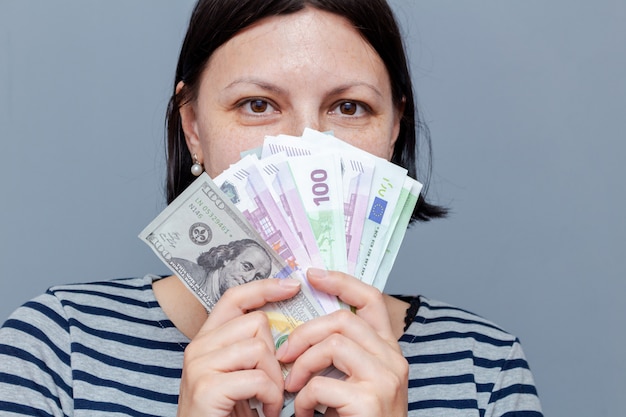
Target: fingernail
289, 283
287, 380
317, 273
282, 349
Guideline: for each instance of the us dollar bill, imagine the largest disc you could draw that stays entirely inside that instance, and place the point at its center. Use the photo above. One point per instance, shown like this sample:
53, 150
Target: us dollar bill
210, 246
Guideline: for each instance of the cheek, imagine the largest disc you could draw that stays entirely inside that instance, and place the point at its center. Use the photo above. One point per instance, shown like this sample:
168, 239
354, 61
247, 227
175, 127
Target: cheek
221, 156
221, 147
376, 142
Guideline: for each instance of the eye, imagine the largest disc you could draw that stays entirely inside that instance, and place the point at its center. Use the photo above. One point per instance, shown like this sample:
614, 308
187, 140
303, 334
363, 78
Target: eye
350, 108
247, 266
257, 106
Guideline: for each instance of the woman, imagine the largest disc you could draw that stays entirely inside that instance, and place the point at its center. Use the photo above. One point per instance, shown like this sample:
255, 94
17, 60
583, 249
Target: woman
249, 69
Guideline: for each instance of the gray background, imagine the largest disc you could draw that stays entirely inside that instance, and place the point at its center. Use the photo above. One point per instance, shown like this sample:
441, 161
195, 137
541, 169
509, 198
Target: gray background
526, 103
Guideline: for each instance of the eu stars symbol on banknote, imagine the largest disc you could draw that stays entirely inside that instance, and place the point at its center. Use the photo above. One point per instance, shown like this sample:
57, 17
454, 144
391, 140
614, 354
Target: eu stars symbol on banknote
295, 203
378, 210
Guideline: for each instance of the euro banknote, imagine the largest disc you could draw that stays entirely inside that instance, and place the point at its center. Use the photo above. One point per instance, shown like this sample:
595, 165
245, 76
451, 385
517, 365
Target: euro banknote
321, 192
400, 222
275, 169
248, 189
245, 187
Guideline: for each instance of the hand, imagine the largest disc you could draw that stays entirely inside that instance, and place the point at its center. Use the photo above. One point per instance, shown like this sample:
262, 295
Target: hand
232, 358
361, 345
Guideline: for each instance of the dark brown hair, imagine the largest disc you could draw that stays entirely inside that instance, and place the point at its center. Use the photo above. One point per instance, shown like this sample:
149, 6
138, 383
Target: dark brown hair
214, 22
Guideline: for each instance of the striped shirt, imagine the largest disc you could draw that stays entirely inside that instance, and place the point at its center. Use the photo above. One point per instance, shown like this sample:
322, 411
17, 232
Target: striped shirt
107, 348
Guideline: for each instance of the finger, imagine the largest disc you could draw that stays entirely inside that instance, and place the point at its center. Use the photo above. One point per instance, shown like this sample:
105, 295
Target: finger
366, 299
254, 325
349, 399
239, 300
243, 409
341, 322
245, 354
254, 384
348, 357
327, 392
224, 392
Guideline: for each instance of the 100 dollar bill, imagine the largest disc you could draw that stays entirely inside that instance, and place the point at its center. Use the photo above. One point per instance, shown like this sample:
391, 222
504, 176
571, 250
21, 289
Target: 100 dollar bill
201, 232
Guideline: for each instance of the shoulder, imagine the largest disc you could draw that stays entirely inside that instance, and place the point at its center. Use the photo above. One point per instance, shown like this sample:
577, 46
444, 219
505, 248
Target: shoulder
122, 294
51, 316
53, 312
463, 353
121, 288
116, 312
450, 332
55, 349
438, 319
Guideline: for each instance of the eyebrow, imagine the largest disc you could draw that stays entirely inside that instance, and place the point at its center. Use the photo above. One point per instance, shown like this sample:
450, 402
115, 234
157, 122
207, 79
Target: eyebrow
258, 82
345, 87
278, 90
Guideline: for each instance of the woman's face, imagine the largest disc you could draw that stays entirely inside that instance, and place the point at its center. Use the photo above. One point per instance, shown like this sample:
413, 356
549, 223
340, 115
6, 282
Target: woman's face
285, 73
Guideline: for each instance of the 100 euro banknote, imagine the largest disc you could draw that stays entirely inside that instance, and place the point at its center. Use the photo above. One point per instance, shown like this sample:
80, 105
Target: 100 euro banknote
276, 171
357, 173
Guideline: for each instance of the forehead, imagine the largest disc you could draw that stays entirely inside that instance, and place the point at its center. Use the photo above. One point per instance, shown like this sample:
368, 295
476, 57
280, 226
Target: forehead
300, 44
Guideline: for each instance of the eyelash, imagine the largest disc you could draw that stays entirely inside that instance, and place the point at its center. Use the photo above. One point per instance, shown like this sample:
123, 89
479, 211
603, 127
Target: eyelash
361, 108
245, 106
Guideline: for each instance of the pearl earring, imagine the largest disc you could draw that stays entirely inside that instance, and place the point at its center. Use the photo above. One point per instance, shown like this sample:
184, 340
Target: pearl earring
196, 168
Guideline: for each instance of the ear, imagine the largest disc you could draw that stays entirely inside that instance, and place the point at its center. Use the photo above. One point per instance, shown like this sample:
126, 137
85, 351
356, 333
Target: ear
189, 123
397, 118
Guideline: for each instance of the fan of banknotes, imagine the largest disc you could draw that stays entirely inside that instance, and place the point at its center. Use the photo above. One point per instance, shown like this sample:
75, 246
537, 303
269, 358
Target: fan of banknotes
294, 203
313, 200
